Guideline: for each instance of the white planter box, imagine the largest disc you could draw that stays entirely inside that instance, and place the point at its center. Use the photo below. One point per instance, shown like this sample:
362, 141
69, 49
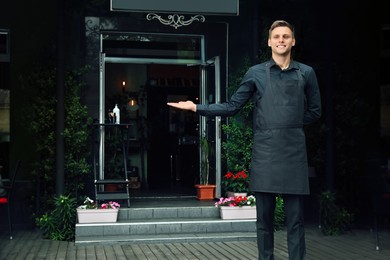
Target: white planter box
97, 215
244, 212
236, 194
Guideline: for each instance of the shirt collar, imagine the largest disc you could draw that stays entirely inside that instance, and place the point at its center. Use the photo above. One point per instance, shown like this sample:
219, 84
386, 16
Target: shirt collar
293, 64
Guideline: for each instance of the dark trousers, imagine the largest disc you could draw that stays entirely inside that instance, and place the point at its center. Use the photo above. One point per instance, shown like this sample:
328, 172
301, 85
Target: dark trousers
265, 206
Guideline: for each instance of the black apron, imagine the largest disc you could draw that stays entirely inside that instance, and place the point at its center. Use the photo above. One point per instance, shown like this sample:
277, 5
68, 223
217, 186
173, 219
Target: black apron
279, 161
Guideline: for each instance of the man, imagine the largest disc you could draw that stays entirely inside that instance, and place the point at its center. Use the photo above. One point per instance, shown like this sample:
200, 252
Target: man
286, 96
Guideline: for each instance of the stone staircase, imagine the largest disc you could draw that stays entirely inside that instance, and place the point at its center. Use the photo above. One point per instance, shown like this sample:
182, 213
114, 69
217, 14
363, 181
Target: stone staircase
167, 224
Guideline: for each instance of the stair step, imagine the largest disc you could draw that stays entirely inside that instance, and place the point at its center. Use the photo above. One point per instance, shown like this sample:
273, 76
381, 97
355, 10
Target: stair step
167, 238
165, 226
163, 222
168, 212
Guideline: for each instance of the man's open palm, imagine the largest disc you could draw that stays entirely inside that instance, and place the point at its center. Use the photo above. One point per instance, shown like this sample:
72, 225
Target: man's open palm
186, 105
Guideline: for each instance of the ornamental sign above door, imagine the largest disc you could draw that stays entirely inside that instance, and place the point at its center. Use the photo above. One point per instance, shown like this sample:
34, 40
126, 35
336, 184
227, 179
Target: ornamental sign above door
176, 9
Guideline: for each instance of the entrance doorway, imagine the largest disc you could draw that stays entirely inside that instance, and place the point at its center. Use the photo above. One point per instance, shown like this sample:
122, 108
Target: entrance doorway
141, 73
173, 134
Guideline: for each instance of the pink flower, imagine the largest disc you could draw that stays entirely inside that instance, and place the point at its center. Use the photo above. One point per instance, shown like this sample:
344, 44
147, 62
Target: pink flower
110, 205
90, 204
236, 201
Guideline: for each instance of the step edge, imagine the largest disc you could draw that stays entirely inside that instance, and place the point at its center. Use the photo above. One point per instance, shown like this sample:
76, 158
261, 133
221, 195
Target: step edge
231, 236
165, 222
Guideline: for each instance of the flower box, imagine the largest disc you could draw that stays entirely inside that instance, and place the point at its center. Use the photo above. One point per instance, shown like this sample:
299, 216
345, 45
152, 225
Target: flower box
236, 194
97, 215
244, 212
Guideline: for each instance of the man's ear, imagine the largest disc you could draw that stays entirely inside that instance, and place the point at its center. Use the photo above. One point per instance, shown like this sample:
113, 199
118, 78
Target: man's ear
269, 43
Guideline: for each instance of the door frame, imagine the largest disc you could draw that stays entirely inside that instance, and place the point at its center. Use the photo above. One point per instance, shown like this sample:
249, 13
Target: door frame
202, 62
216, 127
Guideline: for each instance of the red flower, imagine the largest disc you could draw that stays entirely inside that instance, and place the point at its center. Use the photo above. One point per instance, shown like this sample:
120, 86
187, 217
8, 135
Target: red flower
240, 200
229, 175
236, 182
241, 175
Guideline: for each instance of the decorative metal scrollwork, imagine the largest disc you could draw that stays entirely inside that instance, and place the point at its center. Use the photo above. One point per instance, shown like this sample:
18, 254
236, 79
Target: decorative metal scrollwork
176, 20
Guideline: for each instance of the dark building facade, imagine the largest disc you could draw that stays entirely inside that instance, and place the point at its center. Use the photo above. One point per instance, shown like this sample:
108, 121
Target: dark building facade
139, 63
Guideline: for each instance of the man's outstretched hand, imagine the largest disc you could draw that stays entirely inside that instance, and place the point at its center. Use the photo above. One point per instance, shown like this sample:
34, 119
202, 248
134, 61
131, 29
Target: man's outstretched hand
186, 105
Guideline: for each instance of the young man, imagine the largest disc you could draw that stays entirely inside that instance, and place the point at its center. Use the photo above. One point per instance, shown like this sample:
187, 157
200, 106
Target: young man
286, 97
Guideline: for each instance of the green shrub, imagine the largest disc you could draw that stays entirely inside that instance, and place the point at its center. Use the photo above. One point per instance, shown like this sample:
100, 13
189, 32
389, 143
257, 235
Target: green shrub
334, 219
40, 119
59, 223
237, 148
279, 217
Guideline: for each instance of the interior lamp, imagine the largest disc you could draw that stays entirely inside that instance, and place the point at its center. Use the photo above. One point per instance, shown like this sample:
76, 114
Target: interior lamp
123, 86
132, 104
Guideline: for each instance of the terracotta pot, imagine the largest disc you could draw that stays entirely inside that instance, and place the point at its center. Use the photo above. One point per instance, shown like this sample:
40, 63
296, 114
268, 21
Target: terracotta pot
110, 187
205, 192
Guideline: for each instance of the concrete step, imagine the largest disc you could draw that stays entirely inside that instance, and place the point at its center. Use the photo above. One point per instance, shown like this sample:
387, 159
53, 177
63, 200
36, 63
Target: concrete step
166, 231
168, 213
167, 224
166, 238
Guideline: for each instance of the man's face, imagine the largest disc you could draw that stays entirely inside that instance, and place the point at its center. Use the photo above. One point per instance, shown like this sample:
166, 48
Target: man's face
281, 40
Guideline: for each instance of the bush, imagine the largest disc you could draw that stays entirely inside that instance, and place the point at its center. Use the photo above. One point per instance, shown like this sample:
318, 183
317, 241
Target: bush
279, 216
40, 119
334, 219
237, 148
59, 223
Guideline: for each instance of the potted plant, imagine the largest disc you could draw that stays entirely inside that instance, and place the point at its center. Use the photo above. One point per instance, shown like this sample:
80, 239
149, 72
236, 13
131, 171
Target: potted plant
89, 212
205, 191
239, 207
236, 184
244, 207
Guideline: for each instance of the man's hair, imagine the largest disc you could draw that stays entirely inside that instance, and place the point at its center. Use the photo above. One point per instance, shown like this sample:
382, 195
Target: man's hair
280, 23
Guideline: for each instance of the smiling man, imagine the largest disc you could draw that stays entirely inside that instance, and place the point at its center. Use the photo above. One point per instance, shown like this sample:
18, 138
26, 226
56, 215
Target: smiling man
286, 97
